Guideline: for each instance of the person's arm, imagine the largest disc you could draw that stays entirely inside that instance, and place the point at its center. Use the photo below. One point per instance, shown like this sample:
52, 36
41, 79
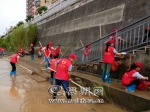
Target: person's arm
69, 71
116, 52
17, 59
56, 64
139, 76
121, 38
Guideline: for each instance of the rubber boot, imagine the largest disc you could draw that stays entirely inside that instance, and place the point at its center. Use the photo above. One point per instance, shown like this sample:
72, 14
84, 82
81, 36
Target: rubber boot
107, 78
51, 80
11, 73
103, 76
131, 88
15, 72
46, 66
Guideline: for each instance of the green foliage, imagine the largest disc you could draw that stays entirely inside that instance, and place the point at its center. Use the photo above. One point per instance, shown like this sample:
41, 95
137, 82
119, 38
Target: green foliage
29, 17
20, 23
19, 37
41, 9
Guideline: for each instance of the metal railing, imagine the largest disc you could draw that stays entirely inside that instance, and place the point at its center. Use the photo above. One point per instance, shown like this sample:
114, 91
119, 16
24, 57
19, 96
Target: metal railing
133, 35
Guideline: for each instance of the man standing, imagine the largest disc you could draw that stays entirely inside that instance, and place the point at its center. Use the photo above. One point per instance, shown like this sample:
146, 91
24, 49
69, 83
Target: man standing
22, 50
62, 76
31, 50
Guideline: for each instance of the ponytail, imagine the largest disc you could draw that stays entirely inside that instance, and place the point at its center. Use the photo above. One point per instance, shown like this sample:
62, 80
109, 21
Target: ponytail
107, 46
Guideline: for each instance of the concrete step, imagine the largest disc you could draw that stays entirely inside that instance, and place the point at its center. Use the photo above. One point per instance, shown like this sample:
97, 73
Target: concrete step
36, 68
137, 101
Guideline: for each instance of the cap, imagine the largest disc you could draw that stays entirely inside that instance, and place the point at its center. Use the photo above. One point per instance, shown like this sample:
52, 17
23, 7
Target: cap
139, 64
114, 30
148, 28
73, 56
50, 43
31, 44
111, 41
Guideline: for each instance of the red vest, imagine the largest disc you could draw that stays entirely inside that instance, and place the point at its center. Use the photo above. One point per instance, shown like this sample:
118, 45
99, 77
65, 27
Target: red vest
14, 58
62, 69
52, 62
86, 51
57, 50
109, 56
46, 53
127, 77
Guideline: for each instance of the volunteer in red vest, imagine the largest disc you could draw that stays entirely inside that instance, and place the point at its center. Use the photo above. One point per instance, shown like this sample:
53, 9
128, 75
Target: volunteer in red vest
86, 52
22, 50
131, 78
52, 67
47, 53
62, 76
51, 49
1, 51
13, 61
57, 51
109, 53
31, 50
113, 37
40, 52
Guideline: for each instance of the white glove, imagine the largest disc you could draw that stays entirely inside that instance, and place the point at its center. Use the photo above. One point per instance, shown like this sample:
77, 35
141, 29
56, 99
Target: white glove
146, 78
124, 53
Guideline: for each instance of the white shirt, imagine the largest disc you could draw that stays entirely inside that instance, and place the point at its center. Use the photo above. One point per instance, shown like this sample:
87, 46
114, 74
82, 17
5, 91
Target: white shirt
137, 75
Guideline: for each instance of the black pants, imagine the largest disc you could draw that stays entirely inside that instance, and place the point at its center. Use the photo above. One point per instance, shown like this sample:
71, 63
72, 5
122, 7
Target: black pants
145, 38
136, 82
52, 74
57, 55
13, 66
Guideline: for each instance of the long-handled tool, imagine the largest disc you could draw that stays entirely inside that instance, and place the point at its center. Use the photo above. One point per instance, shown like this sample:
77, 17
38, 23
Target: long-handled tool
64, 52
83, 87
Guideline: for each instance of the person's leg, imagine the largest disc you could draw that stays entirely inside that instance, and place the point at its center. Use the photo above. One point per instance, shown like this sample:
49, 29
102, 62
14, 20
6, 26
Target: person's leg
65, 85
13, 71
56, 87
107, 76
145, 38
82, 58
104, 72
51, 78
133, 85
31, 57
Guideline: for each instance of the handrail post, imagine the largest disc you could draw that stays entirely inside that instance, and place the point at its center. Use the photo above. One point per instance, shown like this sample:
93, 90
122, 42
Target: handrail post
116, 39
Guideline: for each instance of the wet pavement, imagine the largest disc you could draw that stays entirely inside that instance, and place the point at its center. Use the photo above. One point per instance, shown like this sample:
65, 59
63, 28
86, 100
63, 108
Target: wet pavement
23, 94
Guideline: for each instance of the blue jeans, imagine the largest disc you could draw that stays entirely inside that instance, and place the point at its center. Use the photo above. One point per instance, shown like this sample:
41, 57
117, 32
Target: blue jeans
65, 85
32, 57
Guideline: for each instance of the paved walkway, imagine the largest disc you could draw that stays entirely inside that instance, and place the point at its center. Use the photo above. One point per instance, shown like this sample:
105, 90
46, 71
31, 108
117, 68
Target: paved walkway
23, 94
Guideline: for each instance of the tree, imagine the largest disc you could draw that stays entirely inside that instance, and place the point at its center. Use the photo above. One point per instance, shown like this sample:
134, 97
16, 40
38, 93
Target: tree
20, 23
29, 17
41, 9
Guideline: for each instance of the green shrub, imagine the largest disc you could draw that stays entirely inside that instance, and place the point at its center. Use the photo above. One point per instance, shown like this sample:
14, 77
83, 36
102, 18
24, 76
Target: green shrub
19, 37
